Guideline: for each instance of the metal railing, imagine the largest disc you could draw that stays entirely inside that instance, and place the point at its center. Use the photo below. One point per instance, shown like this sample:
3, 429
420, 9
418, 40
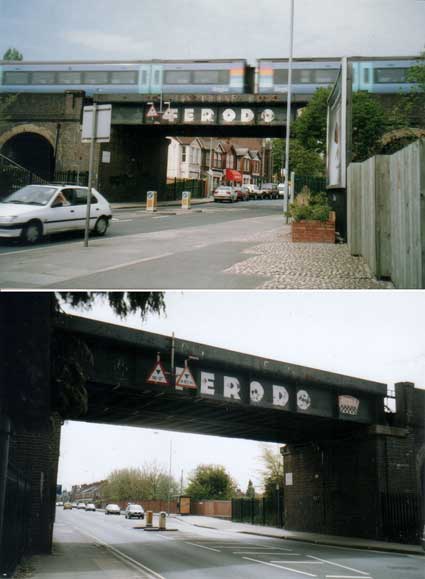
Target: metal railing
401, 517
267, 511
16, 522
314, 184
173, 191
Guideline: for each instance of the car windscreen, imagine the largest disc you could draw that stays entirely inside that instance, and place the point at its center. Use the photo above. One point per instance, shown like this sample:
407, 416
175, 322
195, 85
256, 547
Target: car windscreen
135, 508
31, 195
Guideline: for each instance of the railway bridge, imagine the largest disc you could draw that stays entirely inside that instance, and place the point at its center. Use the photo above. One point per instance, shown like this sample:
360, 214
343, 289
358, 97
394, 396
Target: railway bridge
43, 132
350, 466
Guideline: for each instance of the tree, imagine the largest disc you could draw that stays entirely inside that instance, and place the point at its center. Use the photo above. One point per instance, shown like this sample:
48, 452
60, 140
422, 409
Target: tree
310, 127
301, 160
272, 470
250, 490
150, 482
121, 303
369, 123
12, 54
209, 481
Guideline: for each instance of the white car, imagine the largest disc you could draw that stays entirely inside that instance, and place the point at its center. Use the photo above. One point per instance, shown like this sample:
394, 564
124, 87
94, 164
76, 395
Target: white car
90, 507
37, 210
225, 193
112, 509
134, 511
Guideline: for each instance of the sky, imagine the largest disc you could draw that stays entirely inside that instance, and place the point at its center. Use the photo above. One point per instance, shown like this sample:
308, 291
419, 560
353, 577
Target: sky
372, 335
163, 29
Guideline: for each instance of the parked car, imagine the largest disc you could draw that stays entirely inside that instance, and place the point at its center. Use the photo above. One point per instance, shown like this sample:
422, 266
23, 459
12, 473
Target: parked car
59, 504
81, 506
112, 509
90, 507
242, 193
74, 505
67, 506
270, 191
254, 192
37, 210
134, 511
225, 193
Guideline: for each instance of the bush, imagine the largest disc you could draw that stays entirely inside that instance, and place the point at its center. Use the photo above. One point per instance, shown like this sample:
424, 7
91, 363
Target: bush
314, 207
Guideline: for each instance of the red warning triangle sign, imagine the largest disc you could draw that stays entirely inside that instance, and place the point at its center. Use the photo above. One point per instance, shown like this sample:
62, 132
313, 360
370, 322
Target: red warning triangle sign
185, 379
157, 376
152, 112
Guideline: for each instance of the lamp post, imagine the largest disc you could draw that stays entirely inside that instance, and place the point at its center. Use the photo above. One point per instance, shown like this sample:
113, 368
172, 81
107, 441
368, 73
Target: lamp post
288, 108
169, 477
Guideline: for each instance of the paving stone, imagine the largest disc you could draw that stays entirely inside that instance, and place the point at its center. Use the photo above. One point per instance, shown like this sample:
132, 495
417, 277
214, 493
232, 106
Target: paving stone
288, 265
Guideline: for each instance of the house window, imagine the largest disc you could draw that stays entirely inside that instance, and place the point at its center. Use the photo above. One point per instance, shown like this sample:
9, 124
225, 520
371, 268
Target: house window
184, 154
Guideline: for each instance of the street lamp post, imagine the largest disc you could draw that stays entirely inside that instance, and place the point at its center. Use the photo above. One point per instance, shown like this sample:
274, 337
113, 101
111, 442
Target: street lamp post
169, 477
288, 109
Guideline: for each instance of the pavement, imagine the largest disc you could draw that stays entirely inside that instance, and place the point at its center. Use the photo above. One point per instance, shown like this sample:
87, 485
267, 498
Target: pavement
78, 554
277, 533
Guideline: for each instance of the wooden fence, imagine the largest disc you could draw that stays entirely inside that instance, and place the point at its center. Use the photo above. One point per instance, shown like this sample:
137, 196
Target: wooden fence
386, 215
222, 509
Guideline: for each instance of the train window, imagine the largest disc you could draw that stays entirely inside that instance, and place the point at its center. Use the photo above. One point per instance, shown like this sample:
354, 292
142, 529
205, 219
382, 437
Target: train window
15, 78
124, 77
366, 75
69, 77
280, 76
144, 77
390, 75
96, 77
157, 77
302, 76
43, 77
325, 75
211, 77
177, 77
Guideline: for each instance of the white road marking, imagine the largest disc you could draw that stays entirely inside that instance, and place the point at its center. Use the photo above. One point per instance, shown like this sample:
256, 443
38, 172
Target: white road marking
129, 263
203, 547
345, 577
120, 555
165, 537
300, 562
338, 565
258, 552
279, 567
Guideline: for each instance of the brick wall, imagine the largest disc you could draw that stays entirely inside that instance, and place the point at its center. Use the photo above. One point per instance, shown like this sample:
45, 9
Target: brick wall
222, 509
313, 231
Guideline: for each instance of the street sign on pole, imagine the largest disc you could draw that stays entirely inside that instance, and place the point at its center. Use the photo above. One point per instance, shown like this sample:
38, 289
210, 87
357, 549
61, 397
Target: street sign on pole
96, 129
102, 121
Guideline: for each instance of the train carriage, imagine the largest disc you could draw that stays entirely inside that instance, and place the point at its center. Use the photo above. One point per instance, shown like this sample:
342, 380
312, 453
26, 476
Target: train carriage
142, 77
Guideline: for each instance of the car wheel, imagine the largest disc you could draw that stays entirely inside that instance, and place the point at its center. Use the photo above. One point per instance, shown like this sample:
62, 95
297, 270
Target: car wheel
32, 232
101, 226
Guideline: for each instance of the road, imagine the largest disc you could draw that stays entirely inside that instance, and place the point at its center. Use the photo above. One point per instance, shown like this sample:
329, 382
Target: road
196, 553
170, 249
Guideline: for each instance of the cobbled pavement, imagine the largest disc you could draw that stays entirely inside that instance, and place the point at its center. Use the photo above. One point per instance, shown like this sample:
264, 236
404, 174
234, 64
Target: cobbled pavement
287, 265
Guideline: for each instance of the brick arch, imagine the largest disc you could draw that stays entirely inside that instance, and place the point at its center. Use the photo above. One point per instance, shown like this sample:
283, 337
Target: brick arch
27, 128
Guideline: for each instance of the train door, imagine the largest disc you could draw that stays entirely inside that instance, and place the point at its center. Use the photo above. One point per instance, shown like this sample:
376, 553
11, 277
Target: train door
365, 76
144, 78
156, 78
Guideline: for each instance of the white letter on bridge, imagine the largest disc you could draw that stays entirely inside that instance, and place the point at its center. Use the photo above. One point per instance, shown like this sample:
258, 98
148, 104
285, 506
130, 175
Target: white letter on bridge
280, 396
247, 115
207, 383
256, 392
207, 116
231, 388
229, 115
189, 115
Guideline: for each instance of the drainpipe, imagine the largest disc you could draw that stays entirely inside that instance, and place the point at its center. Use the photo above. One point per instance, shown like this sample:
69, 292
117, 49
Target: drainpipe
58, 128
4, 460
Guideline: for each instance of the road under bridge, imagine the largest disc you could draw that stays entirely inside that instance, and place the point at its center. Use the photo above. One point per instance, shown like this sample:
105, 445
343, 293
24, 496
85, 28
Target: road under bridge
350, 467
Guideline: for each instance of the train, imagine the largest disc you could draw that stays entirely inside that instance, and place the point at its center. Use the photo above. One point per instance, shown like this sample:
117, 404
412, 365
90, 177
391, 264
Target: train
381, 75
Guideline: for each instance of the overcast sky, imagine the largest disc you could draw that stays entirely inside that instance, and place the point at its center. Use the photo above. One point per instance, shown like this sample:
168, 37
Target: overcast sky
146, 29
372, 335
